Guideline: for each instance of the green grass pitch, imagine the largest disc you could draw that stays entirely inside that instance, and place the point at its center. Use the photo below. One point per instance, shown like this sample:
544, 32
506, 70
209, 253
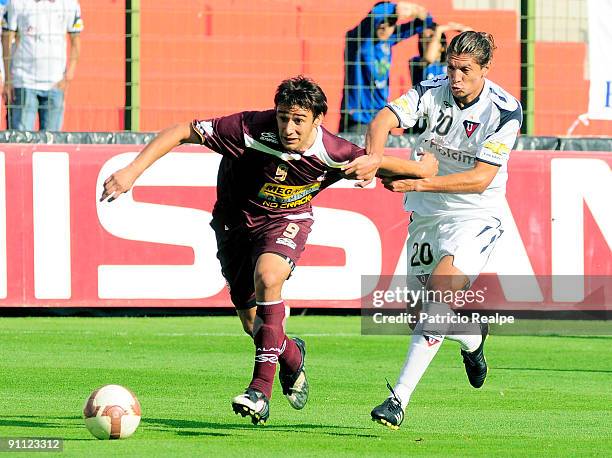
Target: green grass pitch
548, 396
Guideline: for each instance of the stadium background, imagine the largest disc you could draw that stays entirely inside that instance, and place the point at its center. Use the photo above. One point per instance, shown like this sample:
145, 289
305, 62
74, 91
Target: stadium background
548, 394
215, 57
209, 58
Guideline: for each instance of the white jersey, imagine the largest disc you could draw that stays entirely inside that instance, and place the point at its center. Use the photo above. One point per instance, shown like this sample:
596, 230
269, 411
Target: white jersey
39, 59
485, 130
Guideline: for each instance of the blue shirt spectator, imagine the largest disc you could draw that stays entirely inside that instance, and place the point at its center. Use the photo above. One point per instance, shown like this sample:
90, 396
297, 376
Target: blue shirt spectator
367, 59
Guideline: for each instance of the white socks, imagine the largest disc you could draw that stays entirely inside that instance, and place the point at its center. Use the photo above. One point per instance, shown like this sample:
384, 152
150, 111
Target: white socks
426, 340
468, 342
423, 347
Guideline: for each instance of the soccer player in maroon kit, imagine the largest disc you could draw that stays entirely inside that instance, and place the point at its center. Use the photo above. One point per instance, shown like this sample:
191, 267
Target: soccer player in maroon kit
274, 162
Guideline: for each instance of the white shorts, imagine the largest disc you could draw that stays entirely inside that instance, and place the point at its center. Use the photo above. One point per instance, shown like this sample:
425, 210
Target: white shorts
470, 239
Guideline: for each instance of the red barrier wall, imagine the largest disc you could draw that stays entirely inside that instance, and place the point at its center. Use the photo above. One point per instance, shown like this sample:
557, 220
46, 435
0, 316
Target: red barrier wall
154, 248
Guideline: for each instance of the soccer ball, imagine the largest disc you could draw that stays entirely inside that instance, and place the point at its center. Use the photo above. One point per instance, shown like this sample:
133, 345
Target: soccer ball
112, 412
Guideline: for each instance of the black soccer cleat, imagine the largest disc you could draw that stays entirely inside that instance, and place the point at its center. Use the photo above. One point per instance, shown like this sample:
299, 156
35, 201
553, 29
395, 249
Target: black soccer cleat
295, 385
253, 403
390, 412
475, 362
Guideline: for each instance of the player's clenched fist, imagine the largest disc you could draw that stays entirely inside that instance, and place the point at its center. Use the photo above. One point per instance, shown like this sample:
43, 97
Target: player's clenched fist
119, 182
429, 164
400, 185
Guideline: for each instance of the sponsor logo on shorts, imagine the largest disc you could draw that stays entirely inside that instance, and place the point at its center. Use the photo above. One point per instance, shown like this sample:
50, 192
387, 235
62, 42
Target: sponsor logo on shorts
287, 242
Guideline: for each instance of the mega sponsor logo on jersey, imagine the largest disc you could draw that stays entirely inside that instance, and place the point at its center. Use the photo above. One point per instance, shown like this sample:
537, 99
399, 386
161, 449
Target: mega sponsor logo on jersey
284, 196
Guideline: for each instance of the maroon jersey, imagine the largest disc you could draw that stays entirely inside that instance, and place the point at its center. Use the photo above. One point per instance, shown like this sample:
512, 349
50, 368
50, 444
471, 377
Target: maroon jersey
258, 179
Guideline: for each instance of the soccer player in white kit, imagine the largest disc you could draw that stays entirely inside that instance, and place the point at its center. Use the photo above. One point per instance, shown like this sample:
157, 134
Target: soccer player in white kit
472, 124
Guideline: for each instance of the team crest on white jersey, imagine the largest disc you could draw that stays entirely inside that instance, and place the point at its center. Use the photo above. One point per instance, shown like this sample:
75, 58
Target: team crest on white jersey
269, 137
470, 127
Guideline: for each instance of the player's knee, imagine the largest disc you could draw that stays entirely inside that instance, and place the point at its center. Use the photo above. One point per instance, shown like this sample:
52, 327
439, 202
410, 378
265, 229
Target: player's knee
268, 279
447, 282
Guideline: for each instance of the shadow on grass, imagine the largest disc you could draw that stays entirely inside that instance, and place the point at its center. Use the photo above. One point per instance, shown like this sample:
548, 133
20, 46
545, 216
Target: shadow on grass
33, 421
186, 427
301, 427
543, 369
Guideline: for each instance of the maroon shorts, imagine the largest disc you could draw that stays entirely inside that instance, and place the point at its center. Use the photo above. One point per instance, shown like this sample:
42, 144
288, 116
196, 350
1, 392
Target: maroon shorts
239, 247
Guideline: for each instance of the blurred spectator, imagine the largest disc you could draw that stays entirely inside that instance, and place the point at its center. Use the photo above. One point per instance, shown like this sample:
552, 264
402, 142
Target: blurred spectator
367, 59
37, 74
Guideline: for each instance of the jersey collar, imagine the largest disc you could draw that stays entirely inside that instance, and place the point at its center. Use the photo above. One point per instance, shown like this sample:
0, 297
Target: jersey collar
476, 100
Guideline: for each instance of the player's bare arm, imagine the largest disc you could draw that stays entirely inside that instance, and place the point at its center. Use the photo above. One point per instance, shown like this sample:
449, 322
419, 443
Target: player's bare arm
398, 167
8, 37
365, 167
473, 181
123, 179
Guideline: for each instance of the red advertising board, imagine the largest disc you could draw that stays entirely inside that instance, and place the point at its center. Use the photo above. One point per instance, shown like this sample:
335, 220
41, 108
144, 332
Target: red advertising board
153, 247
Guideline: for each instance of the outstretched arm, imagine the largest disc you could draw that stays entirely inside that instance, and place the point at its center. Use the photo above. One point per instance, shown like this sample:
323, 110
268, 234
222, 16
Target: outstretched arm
123, 179
7, 40
397, 167
471, 181
364, 168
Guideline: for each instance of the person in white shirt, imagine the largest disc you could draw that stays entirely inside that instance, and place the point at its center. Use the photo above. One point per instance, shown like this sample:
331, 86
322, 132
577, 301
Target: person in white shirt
36, 68
472, 124
2, 8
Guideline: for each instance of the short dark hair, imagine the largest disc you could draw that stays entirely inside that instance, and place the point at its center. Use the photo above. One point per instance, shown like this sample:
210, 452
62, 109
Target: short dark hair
479, 45
302, 92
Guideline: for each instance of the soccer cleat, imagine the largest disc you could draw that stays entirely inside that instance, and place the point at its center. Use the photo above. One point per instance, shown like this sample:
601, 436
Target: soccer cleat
253, 403
475, 362
390, 412
295, 385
